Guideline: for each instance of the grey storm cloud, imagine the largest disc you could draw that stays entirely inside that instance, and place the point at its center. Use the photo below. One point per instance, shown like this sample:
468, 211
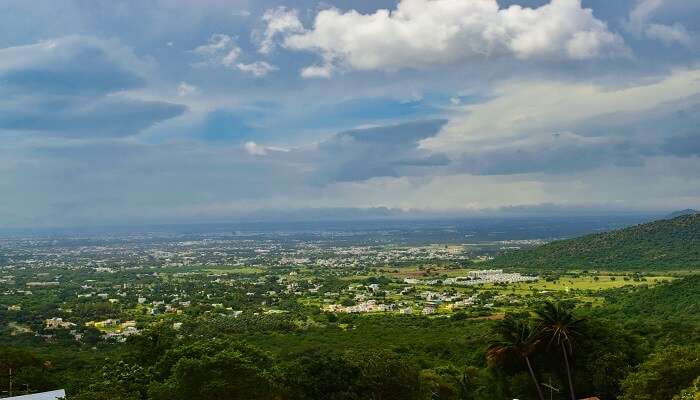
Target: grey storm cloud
671, 129
617, 139
72, 70
377, 152
105, 117
553, 153
684, 146
128, 176
614, 140
75, 86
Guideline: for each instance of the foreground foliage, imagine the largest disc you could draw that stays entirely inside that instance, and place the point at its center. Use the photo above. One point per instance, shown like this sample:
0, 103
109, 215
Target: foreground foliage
641, 345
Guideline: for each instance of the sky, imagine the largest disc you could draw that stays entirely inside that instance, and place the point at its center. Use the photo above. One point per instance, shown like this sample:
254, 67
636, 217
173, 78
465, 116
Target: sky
116, 111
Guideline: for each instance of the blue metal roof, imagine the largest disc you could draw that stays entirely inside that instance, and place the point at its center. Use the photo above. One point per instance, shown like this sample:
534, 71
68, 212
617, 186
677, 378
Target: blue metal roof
52, 395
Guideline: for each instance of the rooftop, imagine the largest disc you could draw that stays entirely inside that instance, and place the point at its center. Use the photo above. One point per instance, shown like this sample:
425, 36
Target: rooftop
52, 395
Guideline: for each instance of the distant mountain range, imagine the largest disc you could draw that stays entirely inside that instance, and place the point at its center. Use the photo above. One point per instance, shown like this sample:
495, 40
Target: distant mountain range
687, 211
664, 244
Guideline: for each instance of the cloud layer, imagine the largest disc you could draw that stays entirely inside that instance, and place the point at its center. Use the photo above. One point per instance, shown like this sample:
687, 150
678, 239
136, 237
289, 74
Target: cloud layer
165, 112
75, 86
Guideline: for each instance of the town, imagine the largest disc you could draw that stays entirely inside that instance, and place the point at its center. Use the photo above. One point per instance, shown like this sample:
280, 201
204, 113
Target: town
108, 289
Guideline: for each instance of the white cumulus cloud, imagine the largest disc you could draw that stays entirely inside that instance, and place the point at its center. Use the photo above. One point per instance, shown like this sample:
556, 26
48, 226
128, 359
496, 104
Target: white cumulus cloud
279, 22
669, 34
185, 89
222, 50
255, 149
542, 107
258, 68
640, 23
421, 33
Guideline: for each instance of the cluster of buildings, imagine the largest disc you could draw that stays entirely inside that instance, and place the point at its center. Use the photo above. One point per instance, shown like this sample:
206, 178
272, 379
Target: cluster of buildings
489, 276
368, 306
412, 293
111, 329
478, 277
57, 323
404, 301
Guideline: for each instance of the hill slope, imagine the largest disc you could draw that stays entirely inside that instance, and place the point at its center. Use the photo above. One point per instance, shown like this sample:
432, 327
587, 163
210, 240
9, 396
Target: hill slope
664, 244
680, 213
679, 299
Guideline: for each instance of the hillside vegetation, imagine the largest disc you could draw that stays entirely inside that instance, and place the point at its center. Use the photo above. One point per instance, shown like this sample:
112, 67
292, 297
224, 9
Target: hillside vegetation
664, 244
677, 300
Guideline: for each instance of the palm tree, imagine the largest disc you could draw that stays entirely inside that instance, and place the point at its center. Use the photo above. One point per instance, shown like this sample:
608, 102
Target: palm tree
516, 339
558, 326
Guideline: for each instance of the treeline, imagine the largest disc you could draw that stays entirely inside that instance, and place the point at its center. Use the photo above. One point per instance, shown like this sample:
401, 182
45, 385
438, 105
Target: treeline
660, 245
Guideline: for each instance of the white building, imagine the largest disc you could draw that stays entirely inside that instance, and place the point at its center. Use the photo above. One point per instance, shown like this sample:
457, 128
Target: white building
57, 323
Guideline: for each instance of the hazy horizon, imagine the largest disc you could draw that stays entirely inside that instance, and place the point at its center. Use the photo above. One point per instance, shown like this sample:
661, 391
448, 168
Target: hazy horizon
348, 220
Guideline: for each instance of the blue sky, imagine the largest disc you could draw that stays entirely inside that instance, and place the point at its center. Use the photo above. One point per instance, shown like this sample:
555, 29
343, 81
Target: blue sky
158, 111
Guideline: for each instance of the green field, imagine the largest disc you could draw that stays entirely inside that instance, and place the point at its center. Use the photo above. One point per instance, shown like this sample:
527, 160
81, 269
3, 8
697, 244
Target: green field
235, 270
579, 283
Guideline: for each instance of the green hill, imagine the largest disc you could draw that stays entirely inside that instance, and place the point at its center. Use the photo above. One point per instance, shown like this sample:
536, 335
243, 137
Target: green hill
679, 299
667, 313
664, 244
680, 213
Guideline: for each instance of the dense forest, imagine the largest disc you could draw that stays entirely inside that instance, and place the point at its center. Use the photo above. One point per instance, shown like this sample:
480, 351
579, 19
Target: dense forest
670, 244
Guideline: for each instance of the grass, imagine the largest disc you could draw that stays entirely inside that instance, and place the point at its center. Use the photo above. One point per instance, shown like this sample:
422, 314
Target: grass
604, 281
434, 273
576, 283
236, 270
